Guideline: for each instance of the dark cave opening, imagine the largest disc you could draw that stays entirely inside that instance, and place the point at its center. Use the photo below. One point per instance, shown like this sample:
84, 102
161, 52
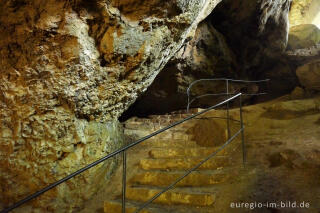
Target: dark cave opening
223, 47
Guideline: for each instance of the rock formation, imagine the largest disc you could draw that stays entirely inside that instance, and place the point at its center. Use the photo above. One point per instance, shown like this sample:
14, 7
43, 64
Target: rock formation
68, 71
309, 75
304, 53
206, 55
303, 36
303, 12
241, 40
255, 30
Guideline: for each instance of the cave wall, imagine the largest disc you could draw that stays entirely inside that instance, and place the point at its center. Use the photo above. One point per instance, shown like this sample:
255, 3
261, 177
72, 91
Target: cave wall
304, 11
316, 20
239, 40
69, 69
206, 55
255, 30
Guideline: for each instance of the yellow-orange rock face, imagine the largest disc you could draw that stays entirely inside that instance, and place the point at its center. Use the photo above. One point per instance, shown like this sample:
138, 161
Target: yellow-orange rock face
68, 71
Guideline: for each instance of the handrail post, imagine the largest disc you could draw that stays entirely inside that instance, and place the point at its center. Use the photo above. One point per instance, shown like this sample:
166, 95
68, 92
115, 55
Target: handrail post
228, 120
188, 94
124, 180
242, 134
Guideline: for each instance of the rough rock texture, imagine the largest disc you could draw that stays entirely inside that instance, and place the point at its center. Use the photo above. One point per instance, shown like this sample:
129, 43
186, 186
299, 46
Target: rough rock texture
303, 36
254, 30
68, 70
41, 149
205, 56
303, 11
304, 53
309, 75
240, 40
303, 56
283, 77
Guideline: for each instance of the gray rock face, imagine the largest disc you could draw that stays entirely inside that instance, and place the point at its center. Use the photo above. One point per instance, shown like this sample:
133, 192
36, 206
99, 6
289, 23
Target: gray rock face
206, 54
68, 71
255, 30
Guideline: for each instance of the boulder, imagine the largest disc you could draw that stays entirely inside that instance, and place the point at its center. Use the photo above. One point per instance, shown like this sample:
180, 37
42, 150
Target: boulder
299, 57
303, 36
282, 78
309, 75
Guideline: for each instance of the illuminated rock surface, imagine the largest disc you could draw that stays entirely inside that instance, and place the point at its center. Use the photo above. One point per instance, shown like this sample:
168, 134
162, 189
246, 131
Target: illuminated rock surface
309, 75
68, 71
304, 12
303, 36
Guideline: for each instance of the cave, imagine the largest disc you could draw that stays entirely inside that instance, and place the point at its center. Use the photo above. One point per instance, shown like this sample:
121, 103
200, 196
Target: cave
151, 106
227, 47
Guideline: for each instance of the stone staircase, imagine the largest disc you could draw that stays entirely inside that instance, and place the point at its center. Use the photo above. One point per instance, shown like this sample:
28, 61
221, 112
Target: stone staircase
159, 161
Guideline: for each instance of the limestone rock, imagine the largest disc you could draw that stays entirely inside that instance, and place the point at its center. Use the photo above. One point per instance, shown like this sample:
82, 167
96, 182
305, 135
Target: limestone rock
309, 75
283, 78
303, 36
255, 30
205, 56
297, 93
292, 109
299, 57
68, 71
303, 11
238, 40
41, 149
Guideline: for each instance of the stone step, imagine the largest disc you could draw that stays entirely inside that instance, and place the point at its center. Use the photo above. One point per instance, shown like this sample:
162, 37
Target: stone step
161, 178
171, 197
153, 126
184, 163
166, 143
116, 207
138, 133
186, 152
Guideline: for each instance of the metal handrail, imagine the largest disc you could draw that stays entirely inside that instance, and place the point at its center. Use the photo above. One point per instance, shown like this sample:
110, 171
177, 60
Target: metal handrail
227, 80
222, 94
123, 150
224, 79
206, 159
